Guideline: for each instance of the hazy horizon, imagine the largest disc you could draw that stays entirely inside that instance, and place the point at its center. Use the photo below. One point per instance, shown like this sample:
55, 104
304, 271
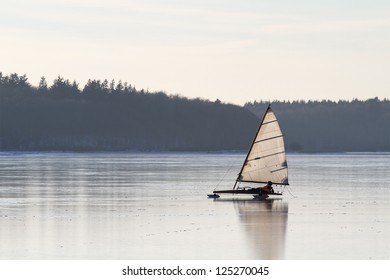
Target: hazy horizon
235, 51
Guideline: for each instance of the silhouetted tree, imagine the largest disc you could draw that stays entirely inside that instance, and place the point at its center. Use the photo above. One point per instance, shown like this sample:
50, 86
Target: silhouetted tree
43, 87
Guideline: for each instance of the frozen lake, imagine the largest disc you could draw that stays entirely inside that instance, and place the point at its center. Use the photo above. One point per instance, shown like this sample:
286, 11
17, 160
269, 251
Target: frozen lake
154, 206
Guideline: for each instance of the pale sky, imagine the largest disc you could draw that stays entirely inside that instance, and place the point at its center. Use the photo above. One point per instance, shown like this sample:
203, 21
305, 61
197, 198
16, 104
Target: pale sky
234, 50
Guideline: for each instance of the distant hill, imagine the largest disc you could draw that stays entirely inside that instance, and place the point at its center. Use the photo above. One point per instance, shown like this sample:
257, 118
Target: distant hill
114, 116
107, 116
328, 126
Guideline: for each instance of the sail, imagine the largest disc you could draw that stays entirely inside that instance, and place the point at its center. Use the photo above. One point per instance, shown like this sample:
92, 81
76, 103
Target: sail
266, 159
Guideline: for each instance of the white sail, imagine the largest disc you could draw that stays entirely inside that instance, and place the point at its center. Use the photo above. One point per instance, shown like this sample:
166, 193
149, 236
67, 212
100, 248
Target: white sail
266, 159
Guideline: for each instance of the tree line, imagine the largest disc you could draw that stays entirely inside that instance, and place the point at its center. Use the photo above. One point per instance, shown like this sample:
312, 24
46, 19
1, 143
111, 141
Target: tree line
108, 115
114, 116
330, 126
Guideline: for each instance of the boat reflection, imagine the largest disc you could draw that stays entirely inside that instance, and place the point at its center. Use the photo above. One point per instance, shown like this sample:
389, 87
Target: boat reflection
265, 224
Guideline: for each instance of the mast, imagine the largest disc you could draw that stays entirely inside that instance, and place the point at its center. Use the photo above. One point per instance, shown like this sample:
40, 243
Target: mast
250, 147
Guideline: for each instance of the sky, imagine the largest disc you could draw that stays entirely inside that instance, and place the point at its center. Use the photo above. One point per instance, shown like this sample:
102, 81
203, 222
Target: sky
234, 50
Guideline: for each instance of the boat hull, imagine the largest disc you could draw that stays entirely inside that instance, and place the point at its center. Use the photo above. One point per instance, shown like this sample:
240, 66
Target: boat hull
246, 191
260, 196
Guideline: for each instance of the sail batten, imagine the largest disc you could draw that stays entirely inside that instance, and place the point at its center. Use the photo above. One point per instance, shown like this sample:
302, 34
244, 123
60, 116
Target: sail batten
270, 138
266, 158
265, 182
272, 171
270, 122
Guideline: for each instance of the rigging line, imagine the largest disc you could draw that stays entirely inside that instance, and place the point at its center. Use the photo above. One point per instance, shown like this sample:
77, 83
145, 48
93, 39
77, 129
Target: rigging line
223, 177
288, 188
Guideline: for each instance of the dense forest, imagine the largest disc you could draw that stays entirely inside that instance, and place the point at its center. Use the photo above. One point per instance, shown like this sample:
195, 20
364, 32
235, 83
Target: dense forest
329, 126
108, 115
114, 116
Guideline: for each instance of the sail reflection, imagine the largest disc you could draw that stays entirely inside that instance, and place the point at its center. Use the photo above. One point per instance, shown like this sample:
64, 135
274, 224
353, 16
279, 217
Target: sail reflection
265, 224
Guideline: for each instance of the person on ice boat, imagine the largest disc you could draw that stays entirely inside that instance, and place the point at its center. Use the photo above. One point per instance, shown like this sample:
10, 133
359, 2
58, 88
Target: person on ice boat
267, 189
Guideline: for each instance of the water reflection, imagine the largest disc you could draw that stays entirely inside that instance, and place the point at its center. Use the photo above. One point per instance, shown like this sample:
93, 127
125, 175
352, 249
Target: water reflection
264, 224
